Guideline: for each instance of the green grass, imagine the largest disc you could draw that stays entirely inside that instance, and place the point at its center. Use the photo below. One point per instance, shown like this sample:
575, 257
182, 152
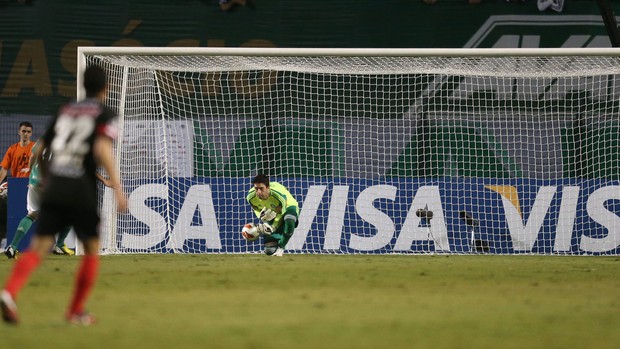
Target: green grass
326, 301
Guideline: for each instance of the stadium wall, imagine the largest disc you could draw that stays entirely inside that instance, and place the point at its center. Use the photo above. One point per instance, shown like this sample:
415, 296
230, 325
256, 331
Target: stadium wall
38, 40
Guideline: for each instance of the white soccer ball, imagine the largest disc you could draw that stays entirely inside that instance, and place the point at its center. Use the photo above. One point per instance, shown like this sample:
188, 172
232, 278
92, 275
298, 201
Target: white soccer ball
250, 232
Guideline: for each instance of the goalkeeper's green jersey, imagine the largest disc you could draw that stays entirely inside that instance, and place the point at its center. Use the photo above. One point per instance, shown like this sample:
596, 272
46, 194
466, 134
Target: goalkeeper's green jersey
279, 200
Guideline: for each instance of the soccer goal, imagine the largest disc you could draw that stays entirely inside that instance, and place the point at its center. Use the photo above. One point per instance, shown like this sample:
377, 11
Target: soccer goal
503, 151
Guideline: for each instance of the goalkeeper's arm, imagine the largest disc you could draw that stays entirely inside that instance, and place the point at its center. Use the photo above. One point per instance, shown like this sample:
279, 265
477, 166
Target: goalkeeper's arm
267, 214
272, 217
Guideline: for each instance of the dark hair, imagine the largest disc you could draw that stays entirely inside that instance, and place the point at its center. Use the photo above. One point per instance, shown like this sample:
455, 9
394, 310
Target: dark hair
25, 123
94, 80
261, 178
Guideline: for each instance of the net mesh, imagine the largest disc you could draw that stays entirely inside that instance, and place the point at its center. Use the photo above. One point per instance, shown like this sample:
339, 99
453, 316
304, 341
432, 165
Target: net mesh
511, 154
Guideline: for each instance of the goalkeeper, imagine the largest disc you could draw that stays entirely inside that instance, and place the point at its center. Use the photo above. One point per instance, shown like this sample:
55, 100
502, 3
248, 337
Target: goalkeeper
278, 211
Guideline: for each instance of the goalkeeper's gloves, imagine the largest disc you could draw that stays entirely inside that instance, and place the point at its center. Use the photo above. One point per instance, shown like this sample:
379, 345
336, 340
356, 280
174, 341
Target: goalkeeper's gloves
267, 214
264, 229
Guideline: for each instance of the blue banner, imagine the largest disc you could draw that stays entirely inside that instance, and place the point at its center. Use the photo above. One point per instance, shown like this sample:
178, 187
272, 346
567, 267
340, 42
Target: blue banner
344, 215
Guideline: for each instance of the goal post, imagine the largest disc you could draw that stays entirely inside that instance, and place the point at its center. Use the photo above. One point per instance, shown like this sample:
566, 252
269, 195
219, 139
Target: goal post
503, 151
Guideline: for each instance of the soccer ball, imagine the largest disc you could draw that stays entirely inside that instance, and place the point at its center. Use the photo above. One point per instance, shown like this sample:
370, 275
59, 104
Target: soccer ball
250, 232
4, 189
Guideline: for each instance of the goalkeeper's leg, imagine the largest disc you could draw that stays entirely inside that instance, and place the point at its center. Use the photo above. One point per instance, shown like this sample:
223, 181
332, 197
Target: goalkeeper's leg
271, 245
276, 242
280, 238
288, 228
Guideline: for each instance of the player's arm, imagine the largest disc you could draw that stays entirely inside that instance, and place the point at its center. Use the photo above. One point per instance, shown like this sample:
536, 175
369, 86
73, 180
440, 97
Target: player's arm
3, 173
103, 180
37, 153
5, 165
103, 154
263, 228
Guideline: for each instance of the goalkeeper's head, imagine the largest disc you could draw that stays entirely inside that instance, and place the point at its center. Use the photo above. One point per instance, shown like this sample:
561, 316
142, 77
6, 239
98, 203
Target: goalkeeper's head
261, 185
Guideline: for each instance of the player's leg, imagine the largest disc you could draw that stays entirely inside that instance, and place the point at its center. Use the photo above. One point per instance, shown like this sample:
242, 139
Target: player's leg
8, 308
50, 221
61, 247
32, 205
286, 230
84, 282
86, 230
23, 268
273, 241
270, 243
21, 231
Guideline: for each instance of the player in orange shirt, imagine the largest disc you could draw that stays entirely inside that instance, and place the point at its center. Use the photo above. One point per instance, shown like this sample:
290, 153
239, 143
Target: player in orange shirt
17, 157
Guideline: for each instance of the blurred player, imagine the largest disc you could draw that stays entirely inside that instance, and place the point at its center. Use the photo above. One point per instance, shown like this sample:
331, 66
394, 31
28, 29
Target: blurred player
277, 209
80, 138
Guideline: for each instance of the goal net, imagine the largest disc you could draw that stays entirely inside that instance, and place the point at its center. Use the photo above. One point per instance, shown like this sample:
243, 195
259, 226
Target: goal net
386, 150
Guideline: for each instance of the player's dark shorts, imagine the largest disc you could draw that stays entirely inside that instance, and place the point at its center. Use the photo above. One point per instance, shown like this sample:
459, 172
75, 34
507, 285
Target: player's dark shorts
53, 218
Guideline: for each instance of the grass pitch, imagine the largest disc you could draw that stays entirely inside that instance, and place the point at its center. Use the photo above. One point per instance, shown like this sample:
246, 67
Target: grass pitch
326, 301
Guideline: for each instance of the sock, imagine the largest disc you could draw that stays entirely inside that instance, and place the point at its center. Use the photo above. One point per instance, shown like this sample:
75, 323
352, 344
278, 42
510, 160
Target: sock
24, 266
22, 229
60, 242
84, 282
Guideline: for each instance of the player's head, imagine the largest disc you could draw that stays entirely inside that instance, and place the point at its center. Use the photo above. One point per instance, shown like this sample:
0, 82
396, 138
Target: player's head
261, 185
95, 81
25, 130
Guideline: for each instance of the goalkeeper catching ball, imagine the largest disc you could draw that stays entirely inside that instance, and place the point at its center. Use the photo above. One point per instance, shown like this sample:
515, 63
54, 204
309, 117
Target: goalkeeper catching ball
278, 211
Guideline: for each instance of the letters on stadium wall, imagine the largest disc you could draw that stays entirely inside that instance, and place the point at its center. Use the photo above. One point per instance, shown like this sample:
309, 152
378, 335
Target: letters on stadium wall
38, 52
341, 215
